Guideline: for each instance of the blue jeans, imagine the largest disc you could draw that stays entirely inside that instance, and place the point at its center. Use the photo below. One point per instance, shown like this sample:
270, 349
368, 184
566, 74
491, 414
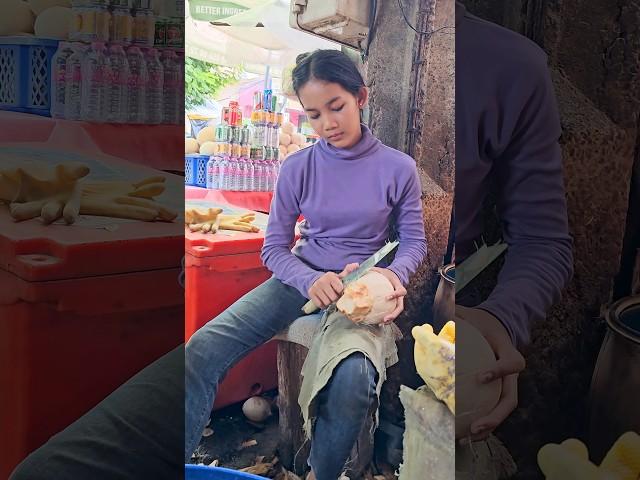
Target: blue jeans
343, 405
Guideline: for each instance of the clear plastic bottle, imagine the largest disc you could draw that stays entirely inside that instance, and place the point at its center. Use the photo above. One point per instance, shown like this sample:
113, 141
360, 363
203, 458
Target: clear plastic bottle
94, 85
213, 172
154, 101
224, 178
171, 103
73, 83
116, 111
136, 91
59, 67
250, 175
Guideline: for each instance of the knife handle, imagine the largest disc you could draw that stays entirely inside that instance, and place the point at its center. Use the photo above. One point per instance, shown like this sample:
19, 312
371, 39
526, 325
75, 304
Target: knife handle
309, 307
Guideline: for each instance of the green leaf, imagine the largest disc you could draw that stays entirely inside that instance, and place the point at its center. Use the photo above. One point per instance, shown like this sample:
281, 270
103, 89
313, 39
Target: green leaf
203, 80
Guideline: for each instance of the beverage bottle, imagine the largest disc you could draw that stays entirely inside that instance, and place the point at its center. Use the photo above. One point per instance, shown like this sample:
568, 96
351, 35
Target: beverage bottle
58, 75
213, 172
116, 91
155, 84
73, 83
94, 88
137, 83
172, 103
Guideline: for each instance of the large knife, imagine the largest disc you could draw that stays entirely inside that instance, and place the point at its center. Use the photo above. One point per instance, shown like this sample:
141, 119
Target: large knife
364, 267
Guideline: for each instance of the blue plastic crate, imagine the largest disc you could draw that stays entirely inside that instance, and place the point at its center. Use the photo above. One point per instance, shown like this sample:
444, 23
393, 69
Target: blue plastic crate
195, 170
201, 472
25, 74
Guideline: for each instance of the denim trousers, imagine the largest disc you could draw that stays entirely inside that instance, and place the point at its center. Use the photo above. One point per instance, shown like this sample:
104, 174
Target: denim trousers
150, 424
342, 405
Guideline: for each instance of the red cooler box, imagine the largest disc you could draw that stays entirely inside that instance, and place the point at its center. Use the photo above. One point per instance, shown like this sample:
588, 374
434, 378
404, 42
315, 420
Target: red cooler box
220, 268
82, 308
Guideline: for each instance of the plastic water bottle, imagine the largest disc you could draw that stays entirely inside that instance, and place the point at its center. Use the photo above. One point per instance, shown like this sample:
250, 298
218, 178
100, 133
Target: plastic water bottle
172, 103
223, 174
94, 74
273, 175
213, 173
116, 89
59, 67
250, 173
154, 100
259, 178
136, 84
73, 84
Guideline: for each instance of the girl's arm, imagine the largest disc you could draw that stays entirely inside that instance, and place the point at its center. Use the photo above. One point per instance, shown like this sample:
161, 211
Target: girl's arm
276, 252
533, 210
409, 225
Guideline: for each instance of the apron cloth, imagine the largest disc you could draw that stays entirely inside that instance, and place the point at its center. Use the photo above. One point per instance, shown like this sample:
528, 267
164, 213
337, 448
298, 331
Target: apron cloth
336, 338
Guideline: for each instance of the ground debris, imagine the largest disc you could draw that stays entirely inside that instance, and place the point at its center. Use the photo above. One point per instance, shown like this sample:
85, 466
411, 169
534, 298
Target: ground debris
248, 443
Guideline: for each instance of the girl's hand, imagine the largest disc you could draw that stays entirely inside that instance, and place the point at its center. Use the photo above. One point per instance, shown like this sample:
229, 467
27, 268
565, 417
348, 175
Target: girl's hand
399, 293
510, 363
328, 288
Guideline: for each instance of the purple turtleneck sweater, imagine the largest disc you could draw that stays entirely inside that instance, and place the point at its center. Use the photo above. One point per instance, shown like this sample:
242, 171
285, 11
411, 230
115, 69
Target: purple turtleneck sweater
349, 198
507, 128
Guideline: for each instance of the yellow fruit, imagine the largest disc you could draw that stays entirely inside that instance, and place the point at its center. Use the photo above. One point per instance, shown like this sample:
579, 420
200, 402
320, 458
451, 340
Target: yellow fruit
207, 134
435, 358
623, 459
191, 145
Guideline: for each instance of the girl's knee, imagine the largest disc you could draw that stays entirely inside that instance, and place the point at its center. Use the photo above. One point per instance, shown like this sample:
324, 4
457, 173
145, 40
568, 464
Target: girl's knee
356, 373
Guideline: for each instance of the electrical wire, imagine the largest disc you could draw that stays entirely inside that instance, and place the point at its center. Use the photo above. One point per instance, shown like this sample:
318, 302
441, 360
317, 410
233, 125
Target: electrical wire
373, 16
406, 20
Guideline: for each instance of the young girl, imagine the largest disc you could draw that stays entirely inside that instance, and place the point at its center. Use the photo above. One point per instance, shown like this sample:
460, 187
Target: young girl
351, 190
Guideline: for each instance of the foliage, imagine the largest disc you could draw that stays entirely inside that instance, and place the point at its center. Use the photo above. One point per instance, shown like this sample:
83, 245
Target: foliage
203, 80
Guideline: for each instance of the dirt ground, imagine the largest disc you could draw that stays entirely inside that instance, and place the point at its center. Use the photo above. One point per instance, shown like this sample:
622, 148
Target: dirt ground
232, 440
238, 444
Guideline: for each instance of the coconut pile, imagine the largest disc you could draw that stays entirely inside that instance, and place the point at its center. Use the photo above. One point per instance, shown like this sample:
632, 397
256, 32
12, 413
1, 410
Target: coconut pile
36, 18
205, 144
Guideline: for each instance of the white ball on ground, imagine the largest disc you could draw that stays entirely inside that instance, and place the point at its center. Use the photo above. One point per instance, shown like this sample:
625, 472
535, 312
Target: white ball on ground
257, 409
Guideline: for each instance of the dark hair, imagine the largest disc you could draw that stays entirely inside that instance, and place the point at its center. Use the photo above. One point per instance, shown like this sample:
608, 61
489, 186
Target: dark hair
330, 66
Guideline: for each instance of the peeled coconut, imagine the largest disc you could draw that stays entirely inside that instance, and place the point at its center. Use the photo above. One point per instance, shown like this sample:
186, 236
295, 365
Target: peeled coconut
473, 399
54, 22
207, 134
191, 145
282, 151
298, 139
288, 128
293, 148
365, 300
39, 6
15, 18
285, 139
208, 148
257, 409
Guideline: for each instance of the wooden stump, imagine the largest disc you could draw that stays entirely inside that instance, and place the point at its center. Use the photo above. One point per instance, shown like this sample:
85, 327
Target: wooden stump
293, 450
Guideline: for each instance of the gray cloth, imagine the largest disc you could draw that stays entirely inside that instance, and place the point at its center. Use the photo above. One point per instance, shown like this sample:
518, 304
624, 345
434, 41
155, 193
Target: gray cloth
336, 339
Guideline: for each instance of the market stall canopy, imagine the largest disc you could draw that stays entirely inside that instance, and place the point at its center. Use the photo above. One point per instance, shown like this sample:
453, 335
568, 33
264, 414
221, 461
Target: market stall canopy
252, 33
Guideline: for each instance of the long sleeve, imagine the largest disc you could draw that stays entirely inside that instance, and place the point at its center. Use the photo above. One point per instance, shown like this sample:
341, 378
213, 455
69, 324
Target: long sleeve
532, 208
276, 251
409, 225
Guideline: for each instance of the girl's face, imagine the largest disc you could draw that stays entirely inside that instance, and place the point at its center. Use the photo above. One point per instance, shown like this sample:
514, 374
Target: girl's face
334, 113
